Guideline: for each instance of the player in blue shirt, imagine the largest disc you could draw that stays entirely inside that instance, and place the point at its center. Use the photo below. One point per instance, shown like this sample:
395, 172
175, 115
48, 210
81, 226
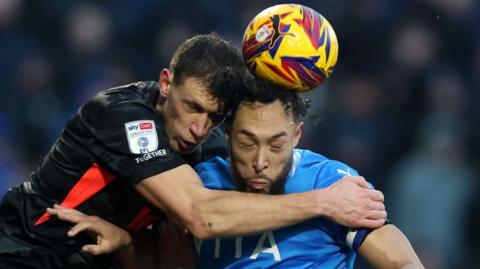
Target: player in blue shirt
263, 134
317, 243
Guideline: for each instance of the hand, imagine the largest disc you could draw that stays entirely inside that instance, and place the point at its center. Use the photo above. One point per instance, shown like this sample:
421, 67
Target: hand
108, 236
351, 202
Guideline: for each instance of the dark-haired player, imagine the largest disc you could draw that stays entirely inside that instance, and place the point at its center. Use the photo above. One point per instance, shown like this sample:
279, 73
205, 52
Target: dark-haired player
263, 134
120, 158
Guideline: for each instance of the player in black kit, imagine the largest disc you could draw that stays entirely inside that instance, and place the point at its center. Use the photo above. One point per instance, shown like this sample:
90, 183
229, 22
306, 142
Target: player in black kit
124, 156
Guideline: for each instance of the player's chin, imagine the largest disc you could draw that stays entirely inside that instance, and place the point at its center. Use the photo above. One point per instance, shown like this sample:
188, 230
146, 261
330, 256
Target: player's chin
259, 190
187, 149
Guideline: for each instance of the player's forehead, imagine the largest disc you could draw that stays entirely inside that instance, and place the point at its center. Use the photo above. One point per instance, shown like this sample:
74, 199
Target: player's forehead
193, 90
262, 119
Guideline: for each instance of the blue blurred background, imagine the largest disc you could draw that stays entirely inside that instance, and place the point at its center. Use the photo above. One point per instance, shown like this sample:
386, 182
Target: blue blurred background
401, 106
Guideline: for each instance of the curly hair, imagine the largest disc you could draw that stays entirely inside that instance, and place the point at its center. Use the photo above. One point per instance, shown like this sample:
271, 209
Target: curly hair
265, 92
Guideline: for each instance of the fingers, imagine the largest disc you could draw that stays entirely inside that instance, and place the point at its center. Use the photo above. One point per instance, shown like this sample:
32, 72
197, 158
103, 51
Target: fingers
376, 195
370, 215
83, 222
102, 247
84, 225
374, 205
371, 223
361, 182
96, 249
67, 214
58, 209
357, 207
107, 235
358, 180
377, 215
374, 217
54, 211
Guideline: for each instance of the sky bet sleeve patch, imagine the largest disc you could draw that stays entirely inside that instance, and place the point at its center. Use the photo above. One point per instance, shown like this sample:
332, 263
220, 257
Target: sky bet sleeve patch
142, 136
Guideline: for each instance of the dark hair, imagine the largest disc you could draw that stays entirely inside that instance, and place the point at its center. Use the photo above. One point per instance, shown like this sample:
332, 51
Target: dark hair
265, 92
216, 63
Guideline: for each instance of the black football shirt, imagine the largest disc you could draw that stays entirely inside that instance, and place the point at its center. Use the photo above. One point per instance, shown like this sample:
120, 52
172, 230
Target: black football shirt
110, 144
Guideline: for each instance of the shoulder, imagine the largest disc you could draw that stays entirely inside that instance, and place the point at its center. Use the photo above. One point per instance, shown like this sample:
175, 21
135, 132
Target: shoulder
131, 102
215, 173
126, 95
214, 164
321, 169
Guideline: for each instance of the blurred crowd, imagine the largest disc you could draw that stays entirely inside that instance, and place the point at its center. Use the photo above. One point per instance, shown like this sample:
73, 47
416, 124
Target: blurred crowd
401, 107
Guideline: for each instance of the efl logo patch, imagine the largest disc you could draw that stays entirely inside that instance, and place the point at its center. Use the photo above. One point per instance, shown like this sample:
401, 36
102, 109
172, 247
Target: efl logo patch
142, 136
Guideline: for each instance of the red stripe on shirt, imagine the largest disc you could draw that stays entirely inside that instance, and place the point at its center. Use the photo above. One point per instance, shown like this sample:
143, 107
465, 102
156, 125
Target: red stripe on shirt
143, 218
94, 180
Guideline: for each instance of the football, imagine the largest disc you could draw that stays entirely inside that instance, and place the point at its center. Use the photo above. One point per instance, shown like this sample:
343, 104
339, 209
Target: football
291, 45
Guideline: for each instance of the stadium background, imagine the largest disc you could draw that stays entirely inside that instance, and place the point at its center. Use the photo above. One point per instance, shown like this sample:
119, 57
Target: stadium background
401, 106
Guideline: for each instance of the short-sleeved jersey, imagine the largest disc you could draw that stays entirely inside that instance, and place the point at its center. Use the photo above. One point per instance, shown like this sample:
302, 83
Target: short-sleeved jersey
109, 145
316, 243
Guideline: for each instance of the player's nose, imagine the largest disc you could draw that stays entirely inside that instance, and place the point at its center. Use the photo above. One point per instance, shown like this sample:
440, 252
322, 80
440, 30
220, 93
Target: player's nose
261, 161
201, 127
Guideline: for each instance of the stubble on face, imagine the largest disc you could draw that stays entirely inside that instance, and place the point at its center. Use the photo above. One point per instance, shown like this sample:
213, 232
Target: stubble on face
276, 185
183, 105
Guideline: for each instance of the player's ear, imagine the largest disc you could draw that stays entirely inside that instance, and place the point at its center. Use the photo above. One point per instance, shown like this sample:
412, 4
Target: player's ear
165, 81
298, 133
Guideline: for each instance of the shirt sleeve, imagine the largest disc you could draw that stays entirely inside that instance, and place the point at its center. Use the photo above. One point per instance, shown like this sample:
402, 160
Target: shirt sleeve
333, 172
129, 139
215, 174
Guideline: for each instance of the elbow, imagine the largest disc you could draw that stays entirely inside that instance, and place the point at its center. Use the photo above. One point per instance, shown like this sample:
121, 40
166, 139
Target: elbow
201, 225
200, 231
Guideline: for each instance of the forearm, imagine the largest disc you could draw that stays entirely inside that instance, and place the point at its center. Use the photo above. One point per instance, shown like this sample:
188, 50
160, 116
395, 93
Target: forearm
211, 213
387, 247
235, 213
398, 265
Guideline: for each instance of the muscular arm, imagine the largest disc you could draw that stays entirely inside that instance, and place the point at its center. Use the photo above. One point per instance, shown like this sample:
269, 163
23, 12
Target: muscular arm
211, 213
387, 247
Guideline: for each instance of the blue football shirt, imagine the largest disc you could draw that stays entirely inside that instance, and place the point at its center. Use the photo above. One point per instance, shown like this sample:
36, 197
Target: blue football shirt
316, 243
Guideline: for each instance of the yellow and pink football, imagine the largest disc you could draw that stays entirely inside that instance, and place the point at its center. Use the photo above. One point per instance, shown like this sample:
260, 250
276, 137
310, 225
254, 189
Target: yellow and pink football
291, 45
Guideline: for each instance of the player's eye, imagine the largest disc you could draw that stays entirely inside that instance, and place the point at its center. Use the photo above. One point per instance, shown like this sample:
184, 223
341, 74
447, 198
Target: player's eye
277, 146
246, 144
194, 107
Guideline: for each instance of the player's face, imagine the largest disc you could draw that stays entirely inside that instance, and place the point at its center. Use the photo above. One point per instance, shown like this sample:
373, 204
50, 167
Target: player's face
187, 112
262, 139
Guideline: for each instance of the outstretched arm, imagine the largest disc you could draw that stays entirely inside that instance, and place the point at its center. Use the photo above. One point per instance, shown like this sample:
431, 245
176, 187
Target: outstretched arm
211, 213
166, 246
387, 247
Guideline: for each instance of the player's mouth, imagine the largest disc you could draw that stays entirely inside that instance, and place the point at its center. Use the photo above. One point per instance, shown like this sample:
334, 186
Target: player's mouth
258, 184
184, 144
